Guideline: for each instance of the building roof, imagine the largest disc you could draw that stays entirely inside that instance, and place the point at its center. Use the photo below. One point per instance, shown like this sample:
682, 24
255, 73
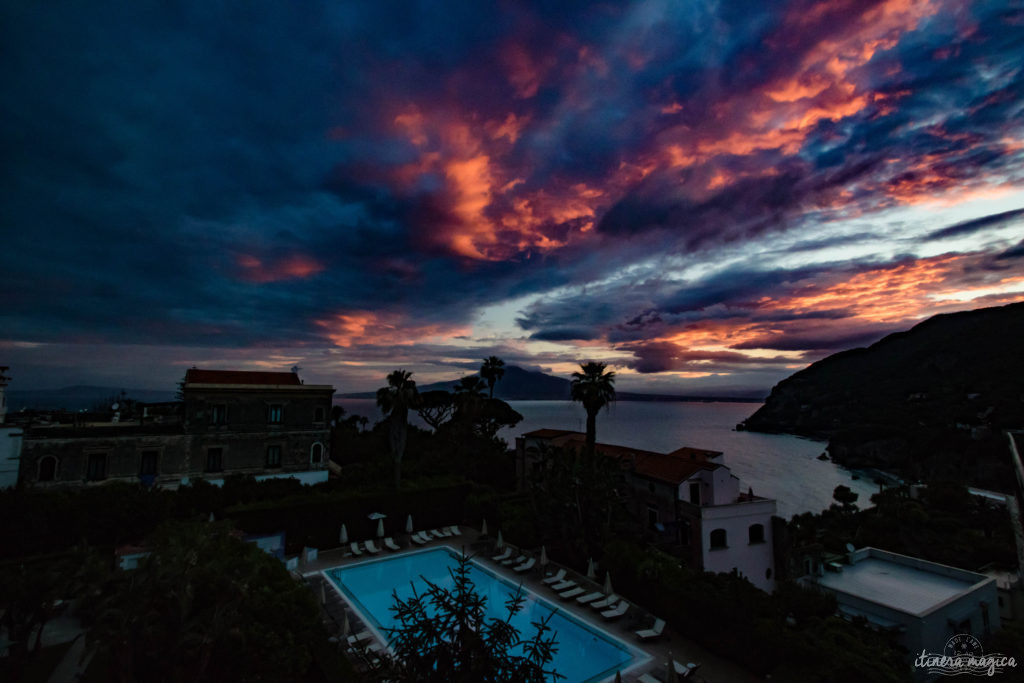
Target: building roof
197, 376
673, 468
907, 584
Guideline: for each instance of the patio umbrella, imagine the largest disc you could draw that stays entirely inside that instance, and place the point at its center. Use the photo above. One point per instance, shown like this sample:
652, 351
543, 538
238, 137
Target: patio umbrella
501, 543
483, 528
343, 536
618, 677
608, 583
543, 556
345, 628
670, 674
591, 574
380, 528
408, 524
212, 518
323, 594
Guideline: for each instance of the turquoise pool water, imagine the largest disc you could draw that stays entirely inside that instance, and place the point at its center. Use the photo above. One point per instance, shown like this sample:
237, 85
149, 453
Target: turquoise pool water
586, 653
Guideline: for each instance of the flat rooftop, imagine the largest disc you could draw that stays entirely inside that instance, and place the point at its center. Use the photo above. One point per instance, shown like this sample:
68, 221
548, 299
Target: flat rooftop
896, 585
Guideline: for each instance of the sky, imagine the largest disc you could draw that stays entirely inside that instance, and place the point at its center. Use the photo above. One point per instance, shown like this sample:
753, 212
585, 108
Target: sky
706, 196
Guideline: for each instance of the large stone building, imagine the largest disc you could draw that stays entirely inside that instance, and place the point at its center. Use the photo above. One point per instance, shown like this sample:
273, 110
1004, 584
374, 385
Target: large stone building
10, 439
267, 424
686, 500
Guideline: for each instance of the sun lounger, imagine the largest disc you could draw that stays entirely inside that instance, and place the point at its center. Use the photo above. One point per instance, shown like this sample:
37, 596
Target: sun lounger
356, 550
518, 560
572, 593
418, 539
606, 603
617, 611
371, 548
455, 530
685, 670
390, 544
563, 585
647, 678
441, 533
589, 597
652, 632
555, 578
365, 634
525, 566
501, 557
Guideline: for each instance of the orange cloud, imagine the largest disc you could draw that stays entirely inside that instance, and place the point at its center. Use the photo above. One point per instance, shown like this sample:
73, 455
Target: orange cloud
296, 266
359, 328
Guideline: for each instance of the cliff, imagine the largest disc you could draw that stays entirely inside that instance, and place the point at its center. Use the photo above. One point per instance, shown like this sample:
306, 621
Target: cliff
925, 403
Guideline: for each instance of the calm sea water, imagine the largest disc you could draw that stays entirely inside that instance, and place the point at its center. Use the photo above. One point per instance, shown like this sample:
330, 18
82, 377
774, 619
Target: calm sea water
777, 466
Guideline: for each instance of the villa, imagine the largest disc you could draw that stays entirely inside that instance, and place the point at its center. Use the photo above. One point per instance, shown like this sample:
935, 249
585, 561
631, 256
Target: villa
687, 501
267, 424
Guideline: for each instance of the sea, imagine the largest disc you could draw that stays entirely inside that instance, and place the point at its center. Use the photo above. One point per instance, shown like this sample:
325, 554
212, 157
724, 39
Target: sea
777, 466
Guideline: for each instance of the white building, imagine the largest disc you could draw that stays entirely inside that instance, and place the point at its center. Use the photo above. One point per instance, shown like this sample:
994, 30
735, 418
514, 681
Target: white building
925, 602
10, 439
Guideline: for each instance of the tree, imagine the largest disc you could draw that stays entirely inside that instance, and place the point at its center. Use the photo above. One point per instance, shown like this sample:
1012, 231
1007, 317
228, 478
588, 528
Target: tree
593, 387
436, 408
492, 370
846, 498
395, 400
205, 606
444, 634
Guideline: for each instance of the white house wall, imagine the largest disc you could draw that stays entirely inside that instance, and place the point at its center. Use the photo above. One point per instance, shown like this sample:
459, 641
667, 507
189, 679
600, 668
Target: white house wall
754, 561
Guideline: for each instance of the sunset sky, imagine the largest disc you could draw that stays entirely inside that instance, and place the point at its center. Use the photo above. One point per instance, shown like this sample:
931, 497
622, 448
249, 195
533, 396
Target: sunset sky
706, 196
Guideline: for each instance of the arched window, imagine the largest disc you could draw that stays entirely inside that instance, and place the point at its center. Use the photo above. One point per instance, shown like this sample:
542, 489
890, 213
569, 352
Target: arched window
718, 539
756, 533
316, 453
48, 468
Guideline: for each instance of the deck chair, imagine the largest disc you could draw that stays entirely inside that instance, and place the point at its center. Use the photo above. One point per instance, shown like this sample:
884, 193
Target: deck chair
572, 593
356, 550
589, 597
455, 530
525, 566
518, 560
371, 548
652, 632
563, 585
501, 557
556, 577
606, 603
616, 612
390, 544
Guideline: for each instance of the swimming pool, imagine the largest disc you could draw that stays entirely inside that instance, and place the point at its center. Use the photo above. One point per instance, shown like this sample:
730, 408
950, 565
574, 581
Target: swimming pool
586, 653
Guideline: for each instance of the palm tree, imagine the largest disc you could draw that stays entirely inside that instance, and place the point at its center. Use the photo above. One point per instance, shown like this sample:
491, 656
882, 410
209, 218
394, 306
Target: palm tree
395, 400
594, 389
492, 370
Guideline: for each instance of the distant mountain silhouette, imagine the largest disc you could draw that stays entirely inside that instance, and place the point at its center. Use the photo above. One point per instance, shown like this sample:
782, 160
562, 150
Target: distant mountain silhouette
78, 397
520, 384
926, 403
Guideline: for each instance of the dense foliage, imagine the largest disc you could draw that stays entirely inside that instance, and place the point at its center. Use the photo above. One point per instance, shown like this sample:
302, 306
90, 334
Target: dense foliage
203, 606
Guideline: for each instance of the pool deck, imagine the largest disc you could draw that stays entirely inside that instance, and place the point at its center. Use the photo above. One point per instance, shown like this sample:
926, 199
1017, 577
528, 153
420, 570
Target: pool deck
713, 668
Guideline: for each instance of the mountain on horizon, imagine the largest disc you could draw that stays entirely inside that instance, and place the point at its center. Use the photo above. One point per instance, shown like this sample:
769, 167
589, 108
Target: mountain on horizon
519, 384
78, 397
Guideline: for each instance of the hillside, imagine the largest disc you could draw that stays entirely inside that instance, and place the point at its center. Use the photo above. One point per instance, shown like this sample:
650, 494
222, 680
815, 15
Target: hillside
928, 402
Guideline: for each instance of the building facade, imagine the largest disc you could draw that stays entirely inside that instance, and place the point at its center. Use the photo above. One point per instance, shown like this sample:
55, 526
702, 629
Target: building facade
686, 501
266, 424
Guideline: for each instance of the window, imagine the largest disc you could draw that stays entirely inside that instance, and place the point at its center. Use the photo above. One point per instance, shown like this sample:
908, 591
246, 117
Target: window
756, 533
768, 573
48, 468
273, 456
96, 469
316, 453
218, 414
695, 493
147, 463
318, 414
214, 460
685, 531
652, 517
274, 414
718, 539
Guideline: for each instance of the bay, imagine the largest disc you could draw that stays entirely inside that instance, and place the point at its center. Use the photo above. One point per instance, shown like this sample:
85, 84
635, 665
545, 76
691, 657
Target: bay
776, 466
